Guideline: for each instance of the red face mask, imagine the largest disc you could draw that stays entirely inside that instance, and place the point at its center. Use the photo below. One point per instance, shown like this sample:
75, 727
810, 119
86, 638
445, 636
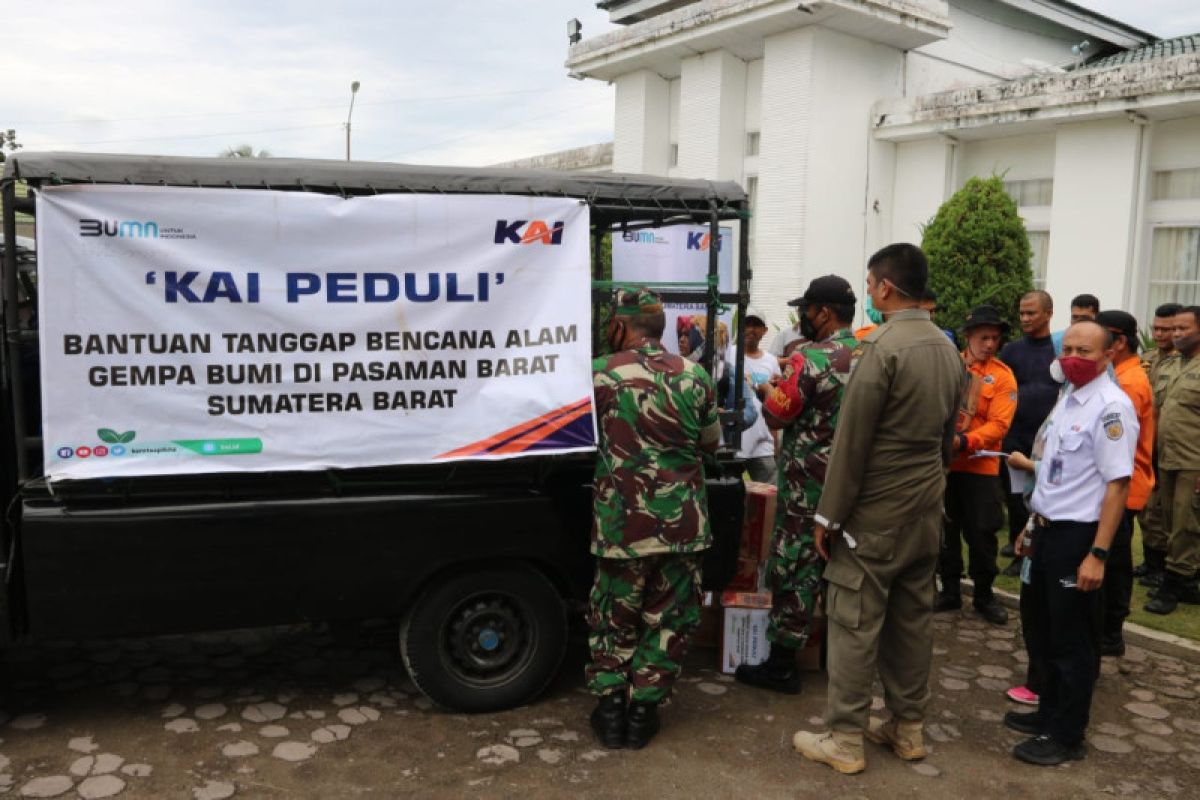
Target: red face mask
1079, 371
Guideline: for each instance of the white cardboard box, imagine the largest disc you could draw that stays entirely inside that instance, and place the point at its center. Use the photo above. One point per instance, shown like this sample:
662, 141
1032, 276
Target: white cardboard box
744, 637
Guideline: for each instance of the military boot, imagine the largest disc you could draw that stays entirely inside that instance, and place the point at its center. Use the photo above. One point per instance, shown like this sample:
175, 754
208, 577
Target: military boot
1189, 591
778, 673
1169, 594
643, 725
842, 751
609, 720
905, 737
1152, 569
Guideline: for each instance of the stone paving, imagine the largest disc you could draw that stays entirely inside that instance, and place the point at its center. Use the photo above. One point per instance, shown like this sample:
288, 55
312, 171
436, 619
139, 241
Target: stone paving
328, 712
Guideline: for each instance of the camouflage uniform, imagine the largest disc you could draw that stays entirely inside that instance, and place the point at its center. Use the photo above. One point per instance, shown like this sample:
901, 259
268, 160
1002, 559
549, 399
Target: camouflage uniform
794, 569
656, 413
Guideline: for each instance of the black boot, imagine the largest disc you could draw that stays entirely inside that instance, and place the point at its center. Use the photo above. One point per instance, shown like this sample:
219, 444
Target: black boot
1168, 595
643, 725
947, 601
1152, 568
1189, 591
778, 673
609, 720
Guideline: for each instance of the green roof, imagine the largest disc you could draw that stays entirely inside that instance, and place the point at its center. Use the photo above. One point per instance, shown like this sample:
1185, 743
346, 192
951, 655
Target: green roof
1165, 48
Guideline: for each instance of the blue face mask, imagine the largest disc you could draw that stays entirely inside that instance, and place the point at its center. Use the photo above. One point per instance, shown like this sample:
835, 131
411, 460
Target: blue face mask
873, 313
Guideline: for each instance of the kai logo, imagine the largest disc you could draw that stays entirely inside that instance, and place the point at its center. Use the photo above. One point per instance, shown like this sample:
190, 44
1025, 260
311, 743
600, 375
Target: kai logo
535, 231
702, 241
124, 228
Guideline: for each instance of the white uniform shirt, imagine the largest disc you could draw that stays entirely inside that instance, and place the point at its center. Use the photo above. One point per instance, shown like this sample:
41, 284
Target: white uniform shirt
757, 440
1088, 441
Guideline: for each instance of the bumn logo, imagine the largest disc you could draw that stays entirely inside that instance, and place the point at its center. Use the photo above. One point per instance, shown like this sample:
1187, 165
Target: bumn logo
702, 241
535, 231
125, 228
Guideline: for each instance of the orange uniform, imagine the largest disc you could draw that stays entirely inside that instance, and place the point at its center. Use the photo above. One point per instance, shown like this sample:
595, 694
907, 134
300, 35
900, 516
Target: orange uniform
1132, 378
864, 331
985, 415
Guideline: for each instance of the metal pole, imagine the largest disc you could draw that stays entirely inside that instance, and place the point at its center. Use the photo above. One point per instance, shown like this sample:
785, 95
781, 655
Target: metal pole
743, 271
353, 91
710, 325
12, 329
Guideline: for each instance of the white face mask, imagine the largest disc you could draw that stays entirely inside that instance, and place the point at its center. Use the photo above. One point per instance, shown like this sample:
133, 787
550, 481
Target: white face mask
1056, 372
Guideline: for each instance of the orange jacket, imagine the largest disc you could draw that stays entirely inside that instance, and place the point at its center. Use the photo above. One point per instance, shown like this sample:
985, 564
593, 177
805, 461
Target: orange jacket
985, 415
865, 331
1132, 378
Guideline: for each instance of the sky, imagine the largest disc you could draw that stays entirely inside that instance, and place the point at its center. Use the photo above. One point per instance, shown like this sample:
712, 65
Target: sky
460, 82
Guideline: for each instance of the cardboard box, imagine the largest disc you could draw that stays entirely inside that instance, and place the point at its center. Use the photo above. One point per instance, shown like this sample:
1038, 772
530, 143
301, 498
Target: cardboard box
755, 547
744, 635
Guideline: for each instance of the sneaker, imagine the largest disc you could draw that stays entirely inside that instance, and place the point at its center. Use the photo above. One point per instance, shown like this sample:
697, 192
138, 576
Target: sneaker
993, 612
842, 751
905, 737
947, 602
1022, 695
1046, 751
768, 676
1026, 722
1013, 570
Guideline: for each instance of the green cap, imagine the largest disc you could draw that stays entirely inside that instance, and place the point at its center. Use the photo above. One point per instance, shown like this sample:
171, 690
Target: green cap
631, 302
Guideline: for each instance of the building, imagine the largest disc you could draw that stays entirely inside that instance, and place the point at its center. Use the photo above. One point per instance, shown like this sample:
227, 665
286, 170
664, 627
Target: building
850, 121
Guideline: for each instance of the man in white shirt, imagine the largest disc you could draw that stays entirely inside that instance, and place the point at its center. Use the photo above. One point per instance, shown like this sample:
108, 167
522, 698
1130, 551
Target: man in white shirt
760, 367
1085, 456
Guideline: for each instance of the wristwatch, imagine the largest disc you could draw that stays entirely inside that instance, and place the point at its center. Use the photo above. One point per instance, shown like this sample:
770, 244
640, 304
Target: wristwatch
1100, 553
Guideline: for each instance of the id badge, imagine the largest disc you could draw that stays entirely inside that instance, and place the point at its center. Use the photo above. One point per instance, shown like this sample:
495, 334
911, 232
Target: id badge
1056, 468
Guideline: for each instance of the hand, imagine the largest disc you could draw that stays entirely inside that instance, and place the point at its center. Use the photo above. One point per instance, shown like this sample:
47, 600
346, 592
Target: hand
1090, 575
820, 539
1020, 461
1020, 546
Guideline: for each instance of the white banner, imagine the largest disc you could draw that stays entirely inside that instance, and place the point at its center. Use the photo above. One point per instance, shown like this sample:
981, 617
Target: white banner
206, 330
674, 253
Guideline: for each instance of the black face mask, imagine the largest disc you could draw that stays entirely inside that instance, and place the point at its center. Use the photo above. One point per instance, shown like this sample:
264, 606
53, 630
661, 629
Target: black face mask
807, 329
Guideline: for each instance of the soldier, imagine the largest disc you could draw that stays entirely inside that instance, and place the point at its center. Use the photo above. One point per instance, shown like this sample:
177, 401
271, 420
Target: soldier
657, 414
805, 406
1154, 538
1177, 390
879, 518
973, 487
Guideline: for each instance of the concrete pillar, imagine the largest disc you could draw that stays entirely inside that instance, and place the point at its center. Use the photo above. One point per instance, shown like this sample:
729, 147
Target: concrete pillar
1092, 217
641, 123
712, 116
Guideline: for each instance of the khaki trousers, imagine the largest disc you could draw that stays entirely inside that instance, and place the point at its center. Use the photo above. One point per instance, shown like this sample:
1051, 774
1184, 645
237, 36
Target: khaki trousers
1179, 493
880, 608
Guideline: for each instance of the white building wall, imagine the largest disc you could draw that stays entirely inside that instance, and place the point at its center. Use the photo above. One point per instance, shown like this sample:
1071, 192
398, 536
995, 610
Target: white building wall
923, 170
1093, 218
712, 116
641, 123
1016, 158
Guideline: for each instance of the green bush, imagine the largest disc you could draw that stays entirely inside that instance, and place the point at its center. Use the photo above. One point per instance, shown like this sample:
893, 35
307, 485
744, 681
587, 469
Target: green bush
978, 253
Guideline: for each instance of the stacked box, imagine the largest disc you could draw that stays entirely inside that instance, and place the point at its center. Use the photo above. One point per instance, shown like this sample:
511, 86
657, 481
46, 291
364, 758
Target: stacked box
755, 547
744, 635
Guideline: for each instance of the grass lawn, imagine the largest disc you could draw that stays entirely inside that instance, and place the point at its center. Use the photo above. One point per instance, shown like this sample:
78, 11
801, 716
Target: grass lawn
1184, 621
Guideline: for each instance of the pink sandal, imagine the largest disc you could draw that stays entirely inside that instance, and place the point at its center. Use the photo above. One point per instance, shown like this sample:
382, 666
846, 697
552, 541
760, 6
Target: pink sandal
1022, 695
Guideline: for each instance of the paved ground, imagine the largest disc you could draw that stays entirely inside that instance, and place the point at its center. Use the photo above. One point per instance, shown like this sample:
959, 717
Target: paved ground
327, 713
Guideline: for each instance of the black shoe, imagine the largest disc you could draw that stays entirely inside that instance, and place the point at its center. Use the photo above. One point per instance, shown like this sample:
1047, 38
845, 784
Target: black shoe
947, 602
1046, 751
777, 678
1189, 592
643, 725
609, 721
1112, 646
1141, 570
1007, 551
1013, 570
1027, 722
1152, 580
993, 612
1167, 597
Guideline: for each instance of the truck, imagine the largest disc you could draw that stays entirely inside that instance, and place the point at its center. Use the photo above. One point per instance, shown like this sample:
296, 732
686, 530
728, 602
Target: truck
481, 562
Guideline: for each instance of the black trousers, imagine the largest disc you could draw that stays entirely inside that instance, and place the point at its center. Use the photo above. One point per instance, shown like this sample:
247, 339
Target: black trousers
972, 513
1118, 578
1063, 633
1018, 511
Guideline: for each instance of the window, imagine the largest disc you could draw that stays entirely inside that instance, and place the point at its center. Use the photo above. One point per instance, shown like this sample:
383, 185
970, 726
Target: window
752, 143
673, 158
1177, 184
1039, 243
1039, 192
1175, 266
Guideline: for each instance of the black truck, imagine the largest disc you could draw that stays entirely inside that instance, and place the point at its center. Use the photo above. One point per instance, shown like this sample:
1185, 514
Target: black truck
482, 562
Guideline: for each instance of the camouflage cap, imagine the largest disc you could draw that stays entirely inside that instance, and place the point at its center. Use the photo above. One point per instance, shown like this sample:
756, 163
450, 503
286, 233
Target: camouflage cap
631, 302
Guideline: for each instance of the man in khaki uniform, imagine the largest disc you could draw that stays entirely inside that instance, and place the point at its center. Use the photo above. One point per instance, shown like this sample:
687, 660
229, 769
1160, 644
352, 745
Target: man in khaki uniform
1177, 390
1154, 537
879, 520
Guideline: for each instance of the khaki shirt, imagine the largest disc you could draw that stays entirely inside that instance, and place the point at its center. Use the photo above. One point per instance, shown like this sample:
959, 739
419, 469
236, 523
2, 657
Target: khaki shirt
1177, 399
892, 446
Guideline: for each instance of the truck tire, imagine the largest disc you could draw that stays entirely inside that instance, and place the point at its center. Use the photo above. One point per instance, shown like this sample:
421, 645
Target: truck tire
485, 640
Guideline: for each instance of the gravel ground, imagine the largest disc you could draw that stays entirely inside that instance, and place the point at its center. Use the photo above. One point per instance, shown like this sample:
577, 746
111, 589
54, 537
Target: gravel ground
328, 713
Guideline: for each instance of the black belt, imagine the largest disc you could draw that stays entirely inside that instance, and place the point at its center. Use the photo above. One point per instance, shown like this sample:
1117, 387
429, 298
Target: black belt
1042, 522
